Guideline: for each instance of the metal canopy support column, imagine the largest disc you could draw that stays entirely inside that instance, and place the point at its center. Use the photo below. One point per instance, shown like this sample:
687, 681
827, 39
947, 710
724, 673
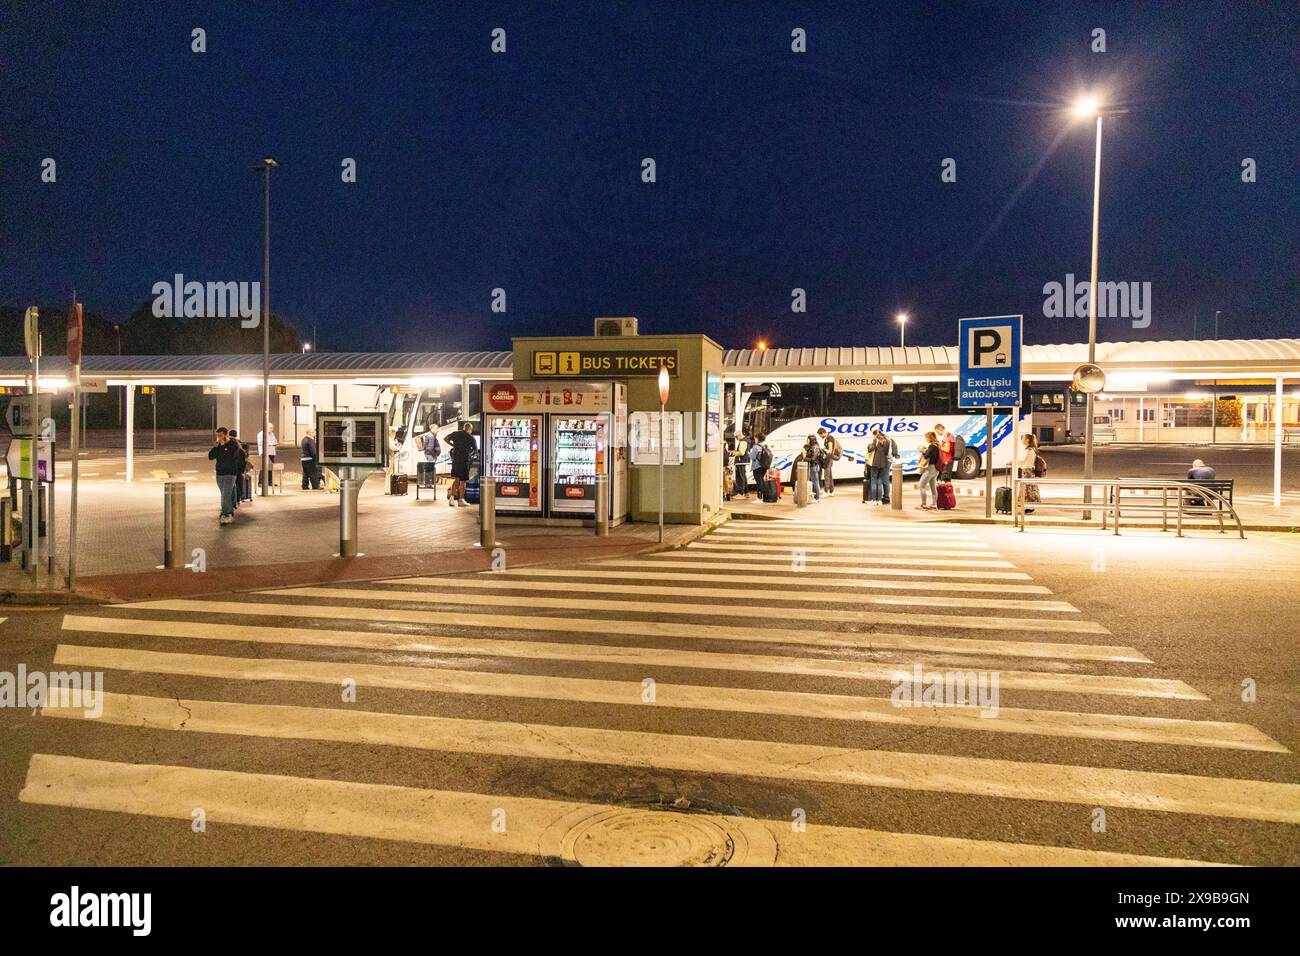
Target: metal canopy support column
129, 389
1277, 446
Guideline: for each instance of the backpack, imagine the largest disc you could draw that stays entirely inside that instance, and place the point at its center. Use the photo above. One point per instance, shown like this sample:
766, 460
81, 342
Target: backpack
437, 446
835, 451
958, 447
1040, 467
764, 457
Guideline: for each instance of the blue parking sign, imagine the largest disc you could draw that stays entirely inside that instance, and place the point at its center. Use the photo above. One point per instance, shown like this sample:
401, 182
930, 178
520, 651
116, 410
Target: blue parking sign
989, 363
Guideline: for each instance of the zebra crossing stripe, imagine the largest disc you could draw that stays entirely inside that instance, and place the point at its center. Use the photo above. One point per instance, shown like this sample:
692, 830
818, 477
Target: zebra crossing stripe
849, 543
874, 641
988, 559
494, 582
621, 654
761, 759
536, 827
814, 565
908, 618
799, 579
1137, 729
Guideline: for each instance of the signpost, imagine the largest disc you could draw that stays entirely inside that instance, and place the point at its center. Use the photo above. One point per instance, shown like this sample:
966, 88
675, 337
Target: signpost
31, 529
353, 444
74, 357
988, 350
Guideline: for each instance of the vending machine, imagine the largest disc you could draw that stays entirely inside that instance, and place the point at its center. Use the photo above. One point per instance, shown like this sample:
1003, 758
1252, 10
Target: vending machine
514, 458
547, 443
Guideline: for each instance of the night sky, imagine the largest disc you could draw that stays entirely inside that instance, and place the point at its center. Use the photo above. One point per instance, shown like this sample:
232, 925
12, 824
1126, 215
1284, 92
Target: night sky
775, 169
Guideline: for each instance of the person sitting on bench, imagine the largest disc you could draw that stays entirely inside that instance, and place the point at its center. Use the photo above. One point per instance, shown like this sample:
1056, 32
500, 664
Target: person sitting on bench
1200, 471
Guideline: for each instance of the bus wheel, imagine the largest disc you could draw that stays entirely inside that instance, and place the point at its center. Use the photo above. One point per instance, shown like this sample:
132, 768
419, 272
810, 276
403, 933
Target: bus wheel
969, 466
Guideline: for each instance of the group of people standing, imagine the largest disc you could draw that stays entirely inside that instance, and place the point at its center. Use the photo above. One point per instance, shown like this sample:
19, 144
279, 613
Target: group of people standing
751, 455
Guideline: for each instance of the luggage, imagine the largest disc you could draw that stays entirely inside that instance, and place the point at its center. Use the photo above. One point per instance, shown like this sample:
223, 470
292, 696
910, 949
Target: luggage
1002, 501
424, 474
771, 486
398, 484
947, 497
246, 487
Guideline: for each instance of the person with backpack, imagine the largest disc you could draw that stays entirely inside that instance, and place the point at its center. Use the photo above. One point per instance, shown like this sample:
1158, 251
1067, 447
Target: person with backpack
463, 447
834, 452
760, 457
945, 441
880, 456
1031, 465
815, 456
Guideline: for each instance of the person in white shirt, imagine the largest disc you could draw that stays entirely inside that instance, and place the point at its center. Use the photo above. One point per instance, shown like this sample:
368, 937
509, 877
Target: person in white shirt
1027, 465
271, 443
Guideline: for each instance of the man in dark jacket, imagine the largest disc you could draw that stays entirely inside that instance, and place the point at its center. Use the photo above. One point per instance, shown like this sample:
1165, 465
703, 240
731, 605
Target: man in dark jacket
229, 459
462, 445
880, 458
310, 461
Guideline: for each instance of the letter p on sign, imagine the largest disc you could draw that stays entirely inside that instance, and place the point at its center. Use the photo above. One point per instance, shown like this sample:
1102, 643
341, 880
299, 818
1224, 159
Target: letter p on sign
990, 345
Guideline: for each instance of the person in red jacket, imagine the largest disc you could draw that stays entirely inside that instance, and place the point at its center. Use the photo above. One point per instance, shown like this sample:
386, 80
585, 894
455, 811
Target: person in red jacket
946, 444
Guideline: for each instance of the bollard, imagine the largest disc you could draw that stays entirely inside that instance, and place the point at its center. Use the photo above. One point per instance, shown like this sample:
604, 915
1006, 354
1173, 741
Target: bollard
800, 484
487, 510
6, 530
602, 506
349, 492
173, 524
896, 487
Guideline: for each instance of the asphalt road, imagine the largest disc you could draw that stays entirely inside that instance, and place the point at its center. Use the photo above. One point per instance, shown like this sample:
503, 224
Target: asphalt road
506, 718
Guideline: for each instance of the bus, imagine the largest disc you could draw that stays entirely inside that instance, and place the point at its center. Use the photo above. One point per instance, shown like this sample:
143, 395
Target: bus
789, 412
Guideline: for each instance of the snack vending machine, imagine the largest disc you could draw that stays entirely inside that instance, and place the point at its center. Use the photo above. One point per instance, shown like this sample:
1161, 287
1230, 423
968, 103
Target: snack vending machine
515, 456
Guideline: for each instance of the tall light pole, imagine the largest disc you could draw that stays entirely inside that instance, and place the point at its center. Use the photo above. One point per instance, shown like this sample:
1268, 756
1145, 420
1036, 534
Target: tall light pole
663, 415
902, 329
1088, 106
265, 168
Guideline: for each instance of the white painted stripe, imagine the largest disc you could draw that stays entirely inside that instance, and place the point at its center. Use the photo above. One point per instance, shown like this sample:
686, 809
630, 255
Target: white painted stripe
986, 559
463, 600
877, 546
542, 828
762, 759
496, 582
800, 579
875, 641
870, 526
870, 535
1013, 720
815, 565
1051, 681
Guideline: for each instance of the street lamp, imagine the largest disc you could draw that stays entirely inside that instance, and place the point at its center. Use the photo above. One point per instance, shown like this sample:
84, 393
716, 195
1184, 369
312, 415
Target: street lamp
265, 168
761, 345
902, 329
1086, 107
663, 414
306, 347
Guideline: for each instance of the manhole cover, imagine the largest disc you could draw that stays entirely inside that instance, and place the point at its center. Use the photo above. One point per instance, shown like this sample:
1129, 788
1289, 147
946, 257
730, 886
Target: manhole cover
627, 836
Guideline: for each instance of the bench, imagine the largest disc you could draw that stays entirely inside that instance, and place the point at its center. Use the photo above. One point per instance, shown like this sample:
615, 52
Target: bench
1141, 488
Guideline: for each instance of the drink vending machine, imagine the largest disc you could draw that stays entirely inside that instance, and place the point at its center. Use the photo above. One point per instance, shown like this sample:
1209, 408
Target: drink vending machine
546, 443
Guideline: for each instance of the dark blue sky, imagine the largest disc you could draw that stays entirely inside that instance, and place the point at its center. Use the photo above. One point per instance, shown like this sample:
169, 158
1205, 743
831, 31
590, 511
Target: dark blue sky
775, 170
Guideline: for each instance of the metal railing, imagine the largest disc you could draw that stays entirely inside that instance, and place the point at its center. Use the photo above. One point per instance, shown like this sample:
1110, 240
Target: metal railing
1130, 498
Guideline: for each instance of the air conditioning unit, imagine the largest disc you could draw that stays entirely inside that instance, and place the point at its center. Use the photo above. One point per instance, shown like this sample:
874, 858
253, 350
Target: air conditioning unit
616, 326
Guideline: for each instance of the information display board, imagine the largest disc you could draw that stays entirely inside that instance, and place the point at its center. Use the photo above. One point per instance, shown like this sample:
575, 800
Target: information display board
352, 439
643, 437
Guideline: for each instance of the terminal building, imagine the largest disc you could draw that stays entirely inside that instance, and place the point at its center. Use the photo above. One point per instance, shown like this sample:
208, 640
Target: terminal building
1190, 392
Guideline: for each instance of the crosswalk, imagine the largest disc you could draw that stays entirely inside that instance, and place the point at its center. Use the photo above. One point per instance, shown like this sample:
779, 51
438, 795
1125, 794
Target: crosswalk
1289, 499
764, 660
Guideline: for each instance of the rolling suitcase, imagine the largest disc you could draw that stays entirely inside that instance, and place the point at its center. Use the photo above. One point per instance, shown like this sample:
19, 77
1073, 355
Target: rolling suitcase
947, 497
397, 485
771, 486
246, 487
1002, 501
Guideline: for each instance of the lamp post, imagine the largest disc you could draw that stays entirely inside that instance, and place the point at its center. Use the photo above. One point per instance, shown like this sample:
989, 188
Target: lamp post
265, 168
1089, 106
902, 329
663, 415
